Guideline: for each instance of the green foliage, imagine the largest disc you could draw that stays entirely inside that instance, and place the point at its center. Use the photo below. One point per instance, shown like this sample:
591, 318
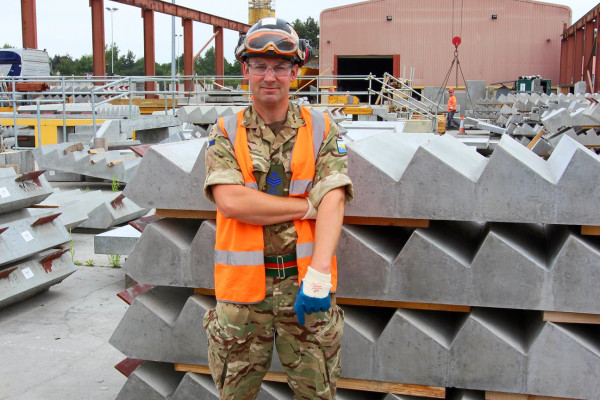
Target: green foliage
128, 65
308, 30
71, 250
78, 263
114, 260
115, 184
89, 263
7, 46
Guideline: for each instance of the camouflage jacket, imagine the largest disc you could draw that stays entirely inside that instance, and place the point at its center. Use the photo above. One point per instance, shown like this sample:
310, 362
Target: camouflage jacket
266, 147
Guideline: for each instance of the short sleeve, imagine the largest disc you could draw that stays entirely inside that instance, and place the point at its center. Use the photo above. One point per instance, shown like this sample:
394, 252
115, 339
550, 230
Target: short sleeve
221, 164
331, 168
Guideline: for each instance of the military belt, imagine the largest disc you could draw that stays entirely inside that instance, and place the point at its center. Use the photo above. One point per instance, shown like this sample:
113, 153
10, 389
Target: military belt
281, 266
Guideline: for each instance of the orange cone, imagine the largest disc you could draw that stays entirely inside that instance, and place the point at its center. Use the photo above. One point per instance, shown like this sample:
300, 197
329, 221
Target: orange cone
461, 129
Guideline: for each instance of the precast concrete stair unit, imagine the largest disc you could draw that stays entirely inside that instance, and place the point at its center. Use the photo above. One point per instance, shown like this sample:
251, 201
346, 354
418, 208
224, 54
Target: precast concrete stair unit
33, 241
21, 280
18, 191
407, 175
527, 266
24, 235
486, 349
154, 380
501, 242
113, 164
108, 209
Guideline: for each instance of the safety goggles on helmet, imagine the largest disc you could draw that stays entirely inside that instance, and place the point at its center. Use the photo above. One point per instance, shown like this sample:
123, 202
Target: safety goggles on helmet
278, 41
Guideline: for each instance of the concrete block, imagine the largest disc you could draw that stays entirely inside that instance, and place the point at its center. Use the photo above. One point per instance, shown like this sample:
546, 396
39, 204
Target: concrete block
556, 119
504, 338
22, 158
515, 180
580, 87
111, 130
25, 279
181, 171
151, 381
117, 241
186, 249
573, 165
542, 147
563, 361
491, 127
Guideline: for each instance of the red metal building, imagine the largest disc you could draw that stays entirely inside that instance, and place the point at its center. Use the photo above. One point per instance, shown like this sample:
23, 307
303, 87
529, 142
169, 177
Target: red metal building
501, 39
579, 51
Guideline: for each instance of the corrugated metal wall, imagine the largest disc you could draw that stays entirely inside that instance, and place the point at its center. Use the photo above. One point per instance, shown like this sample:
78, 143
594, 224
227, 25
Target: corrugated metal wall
525, 39
579, 50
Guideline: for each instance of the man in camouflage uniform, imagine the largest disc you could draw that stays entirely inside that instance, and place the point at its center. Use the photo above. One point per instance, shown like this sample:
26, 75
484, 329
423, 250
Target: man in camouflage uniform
241, 336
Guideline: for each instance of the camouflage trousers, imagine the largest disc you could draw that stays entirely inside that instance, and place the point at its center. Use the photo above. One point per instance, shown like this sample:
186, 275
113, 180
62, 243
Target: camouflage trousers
240, 344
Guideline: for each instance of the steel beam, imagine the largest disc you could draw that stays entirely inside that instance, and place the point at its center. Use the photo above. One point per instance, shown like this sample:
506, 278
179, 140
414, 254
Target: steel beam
29, 24
149, 68
186, 13
99, 57
219, 54
578, 67
188, 51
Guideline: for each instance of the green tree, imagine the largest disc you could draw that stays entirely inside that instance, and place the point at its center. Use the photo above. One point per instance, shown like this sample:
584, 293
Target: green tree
7, 46
308, 30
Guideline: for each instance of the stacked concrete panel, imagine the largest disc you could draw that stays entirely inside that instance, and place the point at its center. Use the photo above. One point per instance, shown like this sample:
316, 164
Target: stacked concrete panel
499, 241
32, 241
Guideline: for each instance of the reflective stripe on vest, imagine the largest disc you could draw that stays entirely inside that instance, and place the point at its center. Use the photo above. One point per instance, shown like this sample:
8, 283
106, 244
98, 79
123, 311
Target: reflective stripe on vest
239, 247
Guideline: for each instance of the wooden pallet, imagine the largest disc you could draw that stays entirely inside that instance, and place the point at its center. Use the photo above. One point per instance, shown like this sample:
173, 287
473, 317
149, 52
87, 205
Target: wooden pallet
345, 383
376, 303
571, 318
405, 222
590, 230
517, 396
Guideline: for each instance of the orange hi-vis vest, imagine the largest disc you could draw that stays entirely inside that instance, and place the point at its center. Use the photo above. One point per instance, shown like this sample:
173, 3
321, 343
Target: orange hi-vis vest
239, 247
452, 103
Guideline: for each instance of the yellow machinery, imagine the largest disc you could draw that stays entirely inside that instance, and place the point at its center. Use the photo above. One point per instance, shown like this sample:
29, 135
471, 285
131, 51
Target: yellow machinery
258, 9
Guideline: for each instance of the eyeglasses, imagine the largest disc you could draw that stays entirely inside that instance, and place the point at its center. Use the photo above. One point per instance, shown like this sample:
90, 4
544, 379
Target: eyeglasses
262, 69
280, 42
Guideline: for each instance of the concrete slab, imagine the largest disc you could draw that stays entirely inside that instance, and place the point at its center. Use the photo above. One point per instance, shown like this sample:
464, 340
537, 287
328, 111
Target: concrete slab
117, 241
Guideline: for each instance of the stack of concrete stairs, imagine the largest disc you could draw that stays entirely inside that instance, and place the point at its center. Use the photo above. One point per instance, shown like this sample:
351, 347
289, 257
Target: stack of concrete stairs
463, 292
79, 158
34, 253
523, 116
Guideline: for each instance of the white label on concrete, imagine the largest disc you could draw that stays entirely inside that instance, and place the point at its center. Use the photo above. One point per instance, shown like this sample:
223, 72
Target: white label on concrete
27, 273
52, 173
4, 192
27, 236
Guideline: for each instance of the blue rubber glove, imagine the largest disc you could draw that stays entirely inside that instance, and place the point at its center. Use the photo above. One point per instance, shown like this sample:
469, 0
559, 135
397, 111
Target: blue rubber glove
313, 295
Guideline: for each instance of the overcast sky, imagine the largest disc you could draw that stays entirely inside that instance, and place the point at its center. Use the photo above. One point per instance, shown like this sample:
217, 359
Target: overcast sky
64, 26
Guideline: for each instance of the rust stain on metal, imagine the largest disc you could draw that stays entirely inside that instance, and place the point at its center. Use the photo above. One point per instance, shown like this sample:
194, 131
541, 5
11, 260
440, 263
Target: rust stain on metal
141, 223
3, 229
128, 365
118, 202
46, 219
4, 274
31, 176
128, 295
47, 261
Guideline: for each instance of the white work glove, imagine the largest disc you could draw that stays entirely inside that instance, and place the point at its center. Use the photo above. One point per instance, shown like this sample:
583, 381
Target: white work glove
313, 295
312, 211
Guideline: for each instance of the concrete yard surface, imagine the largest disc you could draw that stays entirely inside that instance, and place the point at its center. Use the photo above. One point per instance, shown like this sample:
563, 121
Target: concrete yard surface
55, 344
